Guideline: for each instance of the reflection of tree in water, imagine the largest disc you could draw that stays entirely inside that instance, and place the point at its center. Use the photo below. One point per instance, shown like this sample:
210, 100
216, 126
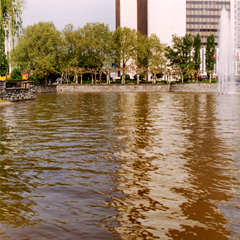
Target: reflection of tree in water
206, 164
15, 207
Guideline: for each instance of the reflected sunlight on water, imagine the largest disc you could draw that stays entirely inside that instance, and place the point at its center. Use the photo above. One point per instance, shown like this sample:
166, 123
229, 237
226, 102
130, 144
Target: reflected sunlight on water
120, 166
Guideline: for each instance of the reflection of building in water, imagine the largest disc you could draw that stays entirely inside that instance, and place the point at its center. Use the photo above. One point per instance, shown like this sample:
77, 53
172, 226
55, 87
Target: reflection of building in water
169, 191
151, 169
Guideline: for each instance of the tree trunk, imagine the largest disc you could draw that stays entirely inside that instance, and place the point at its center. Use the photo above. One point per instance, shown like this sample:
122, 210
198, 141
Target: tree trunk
155, 78
92, 77
67, 77
123, 76
61, 77
76, 78
81, 78
138, 78
210, 77
182, 78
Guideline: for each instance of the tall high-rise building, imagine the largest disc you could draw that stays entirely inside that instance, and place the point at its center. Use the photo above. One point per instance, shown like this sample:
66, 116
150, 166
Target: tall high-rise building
203, 17
237, 22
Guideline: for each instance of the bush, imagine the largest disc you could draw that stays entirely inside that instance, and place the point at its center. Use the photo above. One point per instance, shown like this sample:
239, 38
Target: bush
16, 74
159, 75
127, 77
163, 81
141, 76
34, 79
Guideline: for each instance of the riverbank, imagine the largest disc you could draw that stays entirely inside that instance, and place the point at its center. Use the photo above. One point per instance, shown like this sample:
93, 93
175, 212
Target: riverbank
2, 102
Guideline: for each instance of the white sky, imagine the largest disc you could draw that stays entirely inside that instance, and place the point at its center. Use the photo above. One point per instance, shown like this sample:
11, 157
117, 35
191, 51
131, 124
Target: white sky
63, 12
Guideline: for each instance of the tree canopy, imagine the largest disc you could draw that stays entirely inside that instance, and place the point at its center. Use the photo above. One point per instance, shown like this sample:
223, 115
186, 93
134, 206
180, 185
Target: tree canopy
179, 54
210, 55
125, 40
196, 57
38, 49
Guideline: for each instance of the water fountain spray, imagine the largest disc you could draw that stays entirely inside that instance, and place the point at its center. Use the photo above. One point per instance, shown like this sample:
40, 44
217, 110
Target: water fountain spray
226, 72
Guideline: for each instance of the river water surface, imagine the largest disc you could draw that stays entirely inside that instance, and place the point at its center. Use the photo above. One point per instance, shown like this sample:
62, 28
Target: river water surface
120, 166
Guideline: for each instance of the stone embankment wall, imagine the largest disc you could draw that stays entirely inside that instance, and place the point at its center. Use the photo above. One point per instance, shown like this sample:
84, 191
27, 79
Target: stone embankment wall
201, 87
2, 89
194, 87
13, 92
113, 88
45, 88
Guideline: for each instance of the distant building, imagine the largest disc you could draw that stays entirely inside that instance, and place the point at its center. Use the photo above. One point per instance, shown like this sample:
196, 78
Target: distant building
203, 17
168, 17
237, 22
163, 18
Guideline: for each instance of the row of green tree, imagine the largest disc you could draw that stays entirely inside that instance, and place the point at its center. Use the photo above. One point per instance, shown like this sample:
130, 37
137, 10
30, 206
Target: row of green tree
45, 52
184, 56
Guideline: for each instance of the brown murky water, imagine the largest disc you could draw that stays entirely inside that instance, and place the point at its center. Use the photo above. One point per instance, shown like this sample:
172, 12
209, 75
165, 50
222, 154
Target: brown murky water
120, 166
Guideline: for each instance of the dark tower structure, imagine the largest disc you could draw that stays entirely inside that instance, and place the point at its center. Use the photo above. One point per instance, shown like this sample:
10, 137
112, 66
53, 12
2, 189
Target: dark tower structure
142, 16
117, 7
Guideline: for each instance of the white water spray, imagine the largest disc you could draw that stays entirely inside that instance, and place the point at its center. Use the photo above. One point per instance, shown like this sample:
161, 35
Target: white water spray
226, 65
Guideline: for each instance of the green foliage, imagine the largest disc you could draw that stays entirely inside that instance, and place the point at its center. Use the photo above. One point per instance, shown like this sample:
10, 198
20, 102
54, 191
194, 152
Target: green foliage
83, 52
141, 76
197, 47
210, 53
179, 54
38, 49
98, 44
3, 64
127, 77
16, 74
156, 56
142, 50
10, 16
159, 75
150, 51
125, 40
163, 81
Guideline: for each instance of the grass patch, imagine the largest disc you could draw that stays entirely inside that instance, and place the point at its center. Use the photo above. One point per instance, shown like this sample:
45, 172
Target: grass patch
3, 101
